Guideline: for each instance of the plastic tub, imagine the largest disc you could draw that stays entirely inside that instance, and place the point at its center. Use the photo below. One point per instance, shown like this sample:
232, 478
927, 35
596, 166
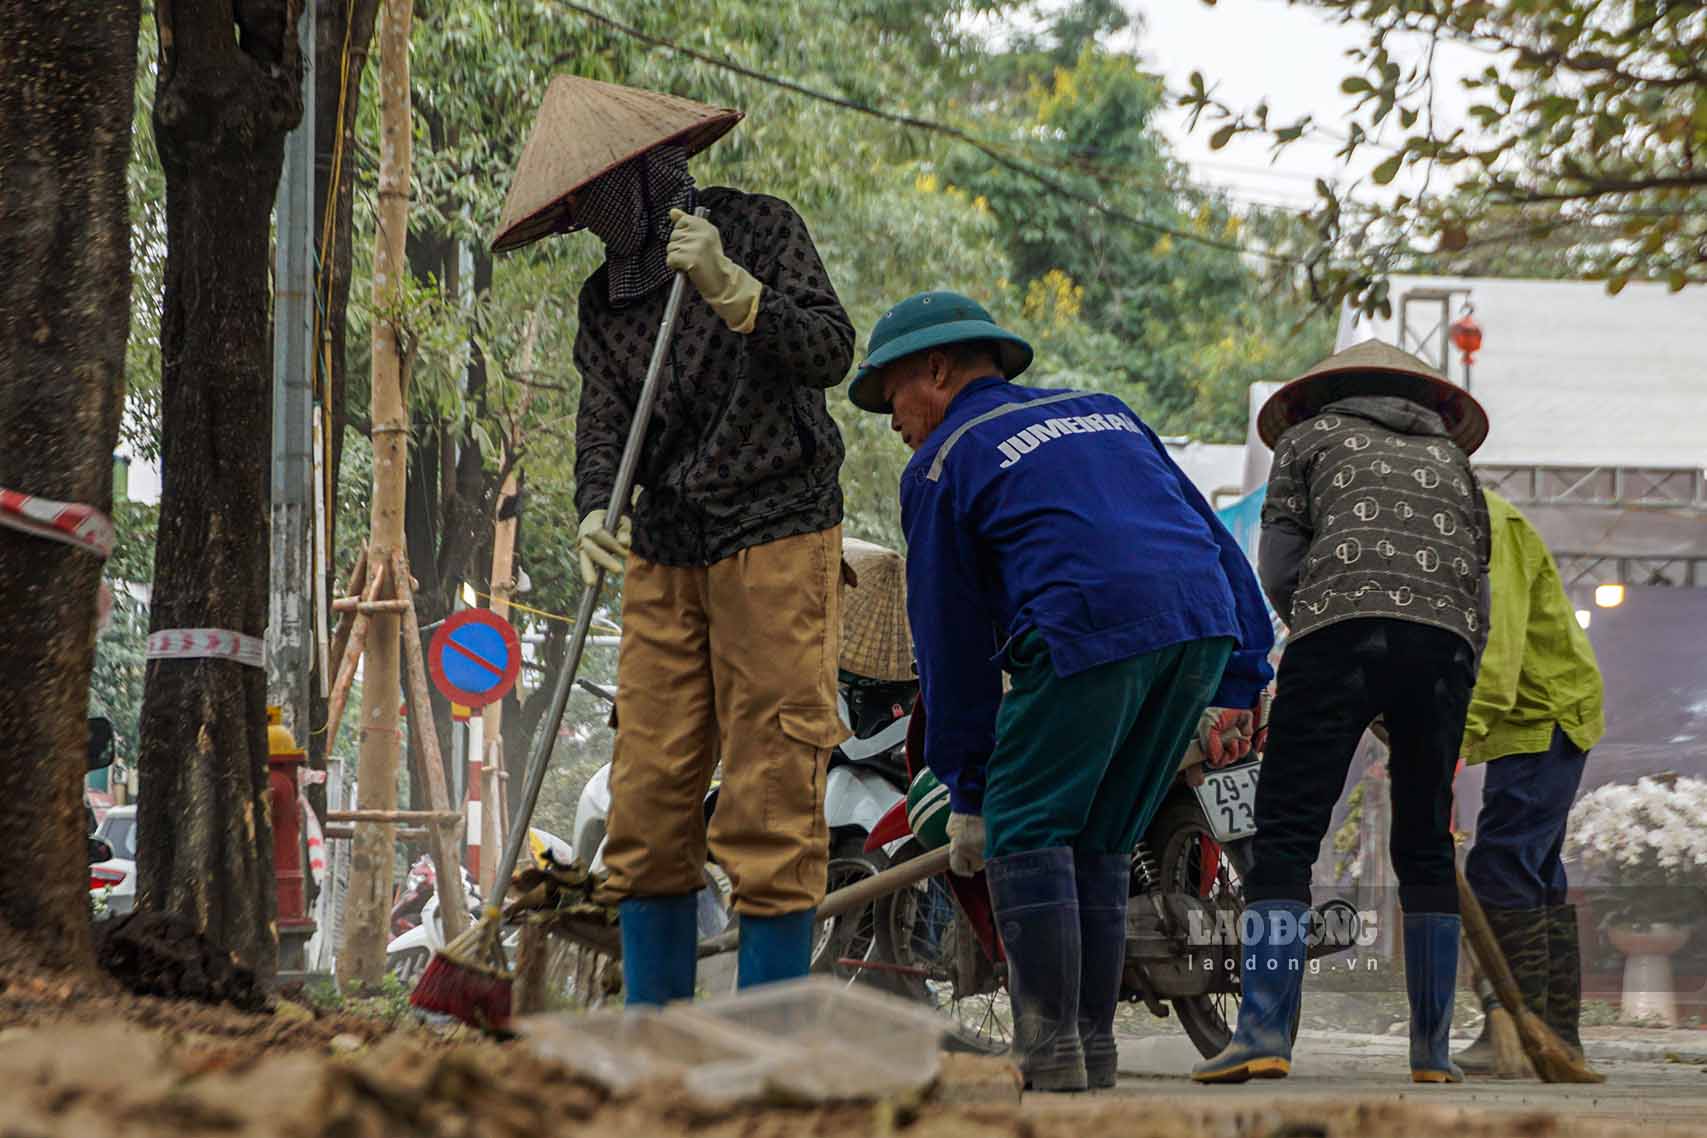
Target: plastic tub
822, 1040
812, 1040
623, 1049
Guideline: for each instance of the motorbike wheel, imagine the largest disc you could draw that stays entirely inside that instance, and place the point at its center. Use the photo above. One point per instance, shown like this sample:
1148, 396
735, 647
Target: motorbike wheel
1192, 861
920, 937
842, 948
408, 965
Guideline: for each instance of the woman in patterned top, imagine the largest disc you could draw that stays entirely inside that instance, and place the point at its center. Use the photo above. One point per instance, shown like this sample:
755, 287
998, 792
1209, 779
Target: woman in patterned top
1375, 553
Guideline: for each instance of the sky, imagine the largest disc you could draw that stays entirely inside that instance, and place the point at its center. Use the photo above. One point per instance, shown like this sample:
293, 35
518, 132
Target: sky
1293, 56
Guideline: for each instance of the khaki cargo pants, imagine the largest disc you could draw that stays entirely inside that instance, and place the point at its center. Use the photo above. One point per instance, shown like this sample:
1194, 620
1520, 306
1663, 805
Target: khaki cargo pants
734, 661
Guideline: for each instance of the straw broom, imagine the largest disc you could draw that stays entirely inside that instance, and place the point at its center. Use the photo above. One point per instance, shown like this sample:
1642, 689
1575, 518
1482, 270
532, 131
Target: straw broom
1554, 1061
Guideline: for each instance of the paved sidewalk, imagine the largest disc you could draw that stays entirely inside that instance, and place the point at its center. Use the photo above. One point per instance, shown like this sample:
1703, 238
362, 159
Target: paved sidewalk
1652, 1076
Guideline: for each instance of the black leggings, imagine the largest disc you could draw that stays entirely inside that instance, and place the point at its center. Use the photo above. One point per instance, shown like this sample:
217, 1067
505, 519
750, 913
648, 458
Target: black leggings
1332, 684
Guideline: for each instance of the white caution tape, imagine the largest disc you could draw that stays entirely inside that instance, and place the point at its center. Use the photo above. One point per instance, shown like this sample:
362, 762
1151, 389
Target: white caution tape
82, 526
207, 644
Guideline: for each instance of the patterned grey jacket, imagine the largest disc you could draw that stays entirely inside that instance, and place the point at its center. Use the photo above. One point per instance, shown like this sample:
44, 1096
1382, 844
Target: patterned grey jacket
741, 449
1372, 511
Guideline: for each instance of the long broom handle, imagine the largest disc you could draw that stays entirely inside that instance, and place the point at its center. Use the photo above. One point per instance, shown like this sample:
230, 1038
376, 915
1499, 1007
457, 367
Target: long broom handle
861, 893
619, 495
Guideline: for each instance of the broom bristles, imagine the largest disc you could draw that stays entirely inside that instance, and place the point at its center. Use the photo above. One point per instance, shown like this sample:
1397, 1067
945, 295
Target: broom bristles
1554, 1061
1509, 1060
460, 982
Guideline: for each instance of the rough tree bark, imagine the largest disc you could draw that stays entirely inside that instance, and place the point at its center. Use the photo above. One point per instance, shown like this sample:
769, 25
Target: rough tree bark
66, 76
229, 90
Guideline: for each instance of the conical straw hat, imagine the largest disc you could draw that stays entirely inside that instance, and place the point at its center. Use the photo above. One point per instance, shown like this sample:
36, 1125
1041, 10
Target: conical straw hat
876, 641
586, 128
1374, 368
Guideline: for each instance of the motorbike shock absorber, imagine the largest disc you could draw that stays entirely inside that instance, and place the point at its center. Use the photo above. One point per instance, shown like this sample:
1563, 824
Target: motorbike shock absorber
1147, 874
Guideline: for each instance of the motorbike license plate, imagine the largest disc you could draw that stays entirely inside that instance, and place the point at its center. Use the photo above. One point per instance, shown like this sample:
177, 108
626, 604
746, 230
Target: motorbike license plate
1229, 800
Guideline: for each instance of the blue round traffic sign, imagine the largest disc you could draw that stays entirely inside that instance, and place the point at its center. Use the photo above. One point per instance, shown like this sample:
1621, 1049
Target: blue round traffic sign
475, 657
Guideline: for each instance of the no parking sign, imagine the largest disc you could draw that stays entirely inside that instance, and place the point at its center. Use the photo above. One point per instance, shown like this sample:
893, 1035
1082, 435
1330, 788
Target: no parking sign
475, 657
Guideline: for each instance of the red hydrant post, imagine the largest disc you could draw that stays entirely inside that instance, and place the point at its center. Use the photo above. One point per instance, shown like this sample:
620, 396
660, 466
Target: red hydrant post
284, 765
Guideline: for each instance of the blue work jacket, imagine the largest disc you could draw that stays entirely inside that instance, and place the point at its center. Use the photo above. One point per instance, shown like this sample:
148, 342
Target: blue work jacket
1058, 511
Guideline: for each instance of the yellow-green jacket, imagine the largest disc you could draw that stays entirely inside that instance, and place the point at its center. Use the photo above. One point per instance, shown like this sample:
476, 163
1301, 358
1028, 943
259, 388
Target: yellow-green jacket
1538, 669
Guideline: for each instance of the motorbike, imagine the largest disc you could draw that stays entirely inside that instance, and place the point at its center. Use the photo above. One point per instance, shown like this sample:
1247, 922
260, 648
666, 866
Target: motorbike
936, 942
417, 931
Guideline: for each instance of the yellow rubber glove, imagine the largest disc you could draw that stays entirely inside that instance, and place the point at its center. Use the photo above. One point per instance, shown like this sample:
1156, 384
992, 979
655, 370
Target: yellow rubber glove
601, 549
696, 248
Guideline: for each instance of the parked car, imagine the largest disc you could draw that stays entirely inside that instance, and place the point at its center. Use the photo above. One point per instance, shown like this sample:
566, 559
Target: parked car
115, 878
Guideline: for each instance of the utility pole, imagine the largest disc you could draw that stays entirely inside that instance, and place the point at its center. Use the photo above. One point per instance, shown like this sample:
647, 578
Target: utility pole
290, 607
363, 956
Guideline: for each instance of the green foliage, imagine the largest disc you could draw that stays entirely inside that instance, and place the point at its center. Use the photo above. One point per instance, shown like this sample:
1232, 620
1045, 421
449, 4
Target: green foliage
1171, 324
1176, 326
1586, 137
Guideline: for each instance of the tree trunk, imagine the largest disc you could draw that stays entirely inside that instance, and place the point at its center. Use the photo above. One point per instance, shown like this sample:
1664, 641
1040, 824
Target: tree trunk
362, 959
229, 91
343, 31
502, 582
66, 76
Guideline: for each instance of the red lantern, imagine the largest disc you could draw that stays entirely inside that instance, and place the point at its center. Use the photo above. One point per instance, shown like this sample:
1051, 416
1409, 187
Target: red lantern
1467, 336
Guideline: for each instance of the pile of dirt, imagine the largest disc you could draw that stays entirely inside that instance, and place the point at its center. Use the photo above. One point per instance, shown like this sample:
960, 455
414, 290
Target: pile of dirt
123, 1081
162, 954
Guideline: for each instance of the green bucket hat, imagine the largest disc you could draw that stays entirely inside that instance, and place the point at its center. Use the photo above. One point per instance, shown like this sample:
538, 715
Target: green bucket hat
930, 320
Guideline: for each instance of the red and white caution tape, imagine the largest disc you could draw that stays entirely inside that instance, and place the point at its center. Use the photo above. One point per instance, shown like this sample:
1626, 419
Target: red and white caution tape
82, 526
316, 841
207, 644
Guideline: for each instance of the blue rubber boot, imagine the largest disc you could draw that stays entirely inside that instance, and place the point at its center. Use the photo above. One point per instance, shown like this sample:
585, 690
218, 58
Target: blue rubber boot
1271, 989
1431, 979
660, 949
775, 948
1037, 909
1103, 882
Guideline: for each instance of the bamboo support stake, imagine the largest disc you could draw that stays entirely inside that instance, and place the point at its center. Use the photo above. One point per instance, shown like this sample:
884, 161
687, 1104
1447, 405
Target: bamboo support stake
346, 831
358, 605
533, 957
341, 637
453, 902
368, 901
491, 823
355, 640
419, 817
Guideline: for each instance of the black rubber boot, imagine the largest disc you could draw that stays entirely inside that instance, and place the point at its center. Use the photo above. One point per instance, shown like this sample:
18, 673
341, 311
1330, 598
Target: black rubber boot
1104, 880
1522, 934
1037, 910
1564, 976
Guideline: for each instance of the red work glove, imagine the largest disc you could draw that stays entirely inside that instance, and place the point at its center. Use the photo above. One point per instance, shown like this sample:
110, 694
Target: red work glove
1224, 735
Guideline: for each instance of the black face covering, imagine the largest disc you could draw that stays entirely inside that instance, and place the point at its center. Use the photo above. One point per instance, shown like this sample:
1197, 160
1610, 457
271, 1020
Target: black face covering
629, 210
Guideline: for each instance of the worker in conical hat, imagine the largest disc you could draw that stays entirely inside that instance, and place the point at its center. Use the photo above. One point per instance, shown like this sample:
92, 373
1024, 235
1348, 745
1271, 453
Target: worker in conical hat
1375, 552
731, 591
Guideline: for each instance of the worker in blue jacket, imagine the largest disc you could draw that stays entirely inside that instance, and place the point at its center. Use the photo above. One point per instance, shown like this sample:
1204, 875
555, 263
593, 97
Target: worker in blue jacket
1050, 536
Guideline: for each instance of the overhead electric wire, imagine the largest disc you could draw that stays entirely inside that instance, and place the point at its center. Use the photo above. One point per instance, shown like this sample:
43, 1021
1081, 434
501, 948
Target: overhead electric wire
988, 148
